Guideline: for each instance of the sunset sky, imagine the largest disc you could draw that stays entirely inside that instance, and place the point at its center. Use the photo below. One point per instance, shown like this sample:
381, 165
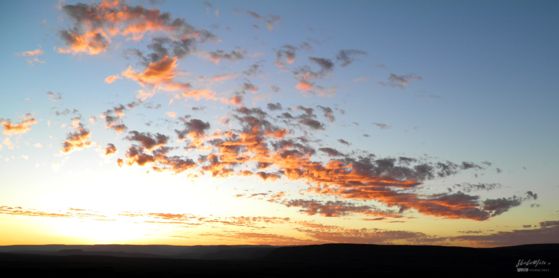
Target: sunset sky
279, 122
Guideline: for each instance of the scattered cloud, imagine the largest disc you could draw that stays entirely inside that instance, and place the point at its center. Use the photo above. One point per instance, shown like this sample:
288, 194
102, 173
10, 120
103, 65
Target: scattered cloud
95, 25
328, 113
274, 106
161, 72
33, 56
347, 56
342, 141
285, 55
269, 21
335, 234
110, 149
472, 187
111, 79
400, 81
113, 118
54, 96
331, 151
219, 55
547, 232
277, 154
382, 125
335, 208
22, 127
79, 139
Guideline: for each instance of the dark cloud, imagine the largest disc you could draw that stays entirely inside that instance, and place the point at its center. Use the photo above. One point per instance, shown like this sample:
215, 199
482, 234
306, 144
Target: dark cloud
274, 106
113, 118
148, 140
336, 234
547, 232
501, 205
329, 208
400, 81
470, 165
217, 56
312, 123
164, 46
249, 87
152, 151
342, 141
347, 56
253, 69
307, 77
67, 111
328, 113
54, 96
382, 125
470, 187
326, 65
331, 151
270, 21
193, 128
531, 195
286, 55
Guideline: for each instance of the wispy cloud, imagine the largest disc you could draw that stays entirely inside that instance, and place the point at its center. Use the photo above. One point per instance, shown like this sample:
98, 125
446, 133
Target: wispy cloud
400, 81
269, 21
33, 56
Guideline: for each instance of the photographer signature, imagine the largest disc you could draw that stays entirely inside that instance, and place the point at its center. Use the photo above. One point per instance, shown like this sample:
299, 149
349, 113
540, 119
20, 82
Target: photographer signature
532, 263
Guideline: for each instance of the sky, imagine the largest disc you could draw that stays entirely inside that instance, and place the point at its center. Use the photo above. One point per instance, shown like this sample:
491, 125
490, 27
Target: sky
279, 123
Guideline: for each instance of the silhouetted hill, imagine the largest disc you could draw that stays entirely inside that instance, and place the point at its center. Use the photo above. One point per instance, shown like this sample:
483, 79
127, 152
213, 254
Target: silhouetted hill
265, 261
222, 252
418, 258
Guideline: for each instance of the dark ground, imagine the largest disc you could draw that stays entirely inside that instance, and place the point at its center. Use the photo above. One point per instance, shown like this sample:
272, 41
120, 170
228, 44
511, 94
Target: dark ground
331, 260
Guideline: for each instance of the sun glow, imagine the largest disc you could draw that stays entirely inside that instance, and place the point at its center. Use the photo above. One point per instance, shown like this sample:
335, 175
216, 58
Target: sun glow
117, 230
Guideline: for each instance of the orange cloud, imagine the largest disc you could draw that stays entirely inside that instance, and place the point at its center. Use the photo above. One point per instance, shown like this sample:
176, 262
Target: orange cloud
110, 149
223, 77
26, 212
336, 234
78, 139
18, 128
262, 149
200, 94
159, 72
107, 19
265, 238
33, 56
92, 42
32, 53
304, 86
111, 78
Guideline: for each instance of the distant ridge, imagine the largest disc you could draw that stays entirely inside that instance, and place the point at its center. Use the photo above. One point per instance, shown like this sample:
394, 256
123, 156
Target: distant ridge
269, 261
